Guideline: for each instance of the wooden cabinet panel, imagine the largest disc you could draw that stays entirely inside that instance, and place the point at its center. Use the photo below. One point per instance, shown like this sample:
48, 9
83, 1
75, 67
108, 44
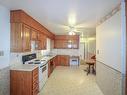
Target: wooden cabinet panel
26, 38
19, 16
49, 70
24, 29
63, 60
50, 66
21, 83
34, 34
58, 60
66, 42
16, 37
35, 82
52, 44
55, 61
41, 41
20, 37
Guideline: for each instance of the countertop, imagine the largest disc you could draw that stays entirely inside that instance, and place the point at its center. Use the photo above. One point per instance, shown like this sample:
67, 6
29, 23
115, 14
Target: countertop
24, 67
31, 67
47, 58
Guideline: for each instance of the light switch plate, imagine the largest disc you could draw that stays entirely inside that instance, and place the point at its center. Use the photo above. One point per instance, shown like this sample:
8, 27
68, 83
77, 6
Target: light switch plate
1, 53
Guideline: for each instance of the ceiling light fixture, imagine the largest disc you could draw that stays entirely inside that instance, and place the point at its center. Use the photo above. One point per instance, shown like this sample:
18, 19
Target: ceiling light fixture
71, 33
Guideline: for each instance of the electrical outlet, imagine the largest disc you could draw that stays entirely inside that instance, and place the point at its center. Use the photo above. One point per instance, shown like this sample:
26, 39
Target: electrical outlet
1, 53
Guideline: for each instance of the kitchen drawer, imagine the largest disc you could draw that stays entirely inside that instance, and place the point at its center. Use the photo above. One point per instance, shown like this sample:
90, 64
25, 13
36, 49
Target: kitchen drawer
35, 72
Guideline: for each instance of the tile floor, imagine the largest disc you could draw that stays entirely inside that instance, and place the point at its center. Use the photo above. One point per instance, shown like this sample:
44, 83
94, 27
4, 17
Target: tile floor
70, 81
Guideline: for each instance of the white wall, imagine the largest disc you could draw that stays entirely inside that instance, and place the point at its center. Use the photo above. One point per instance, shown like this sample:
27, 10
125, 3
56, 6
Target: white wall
4, 36
108, 42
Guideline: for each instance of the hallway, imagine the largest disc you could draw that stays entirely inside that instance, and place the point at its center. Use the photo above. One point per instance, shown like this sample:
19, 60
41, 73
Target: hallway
71, 81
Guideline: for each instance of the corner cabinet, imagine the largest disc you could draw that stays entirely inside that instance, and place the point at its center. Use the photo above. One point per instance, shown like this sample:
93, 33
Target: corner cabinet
24, 82
20, 37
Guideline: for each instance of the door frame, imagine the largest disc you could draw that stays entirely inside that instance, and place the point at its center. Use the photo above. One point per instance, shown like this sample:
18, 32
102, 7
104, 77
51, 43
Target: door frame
126, 48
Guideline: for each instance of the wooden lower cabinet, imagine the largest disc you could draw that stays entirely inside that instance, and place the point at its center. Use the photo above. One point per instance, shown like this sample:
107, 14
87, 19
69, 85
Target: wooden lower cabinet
51, 66
63, 60
24, 82
49, 71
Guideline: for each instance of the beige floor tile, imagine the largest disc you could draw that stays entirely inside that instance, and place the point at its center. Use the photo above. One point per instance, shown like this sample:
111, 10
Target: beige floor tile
70, 81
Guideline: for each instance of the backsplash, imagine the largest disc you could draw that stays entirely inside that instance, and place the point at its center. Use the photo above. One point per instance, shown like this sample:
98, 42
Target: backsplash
71, 52
16, 58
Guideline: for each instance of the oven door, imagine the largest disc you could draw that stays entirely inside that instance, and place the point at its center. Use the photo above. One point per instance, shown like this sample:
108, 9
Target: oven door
42, 69
43, 76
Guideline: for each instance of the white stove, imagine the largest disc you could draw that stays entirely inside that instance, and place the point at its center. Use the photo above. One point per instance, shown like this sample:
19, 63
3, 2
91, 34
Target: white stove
42, 65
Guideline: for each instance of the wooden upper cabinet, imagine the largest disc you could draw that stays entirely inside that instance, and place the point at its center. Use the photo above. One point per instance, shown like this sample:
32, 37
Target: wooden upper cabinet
66, 42
22, 17
26, 38
25, 29
34, 34
41, 41
52, 44
44, 42
16, 37
20, 37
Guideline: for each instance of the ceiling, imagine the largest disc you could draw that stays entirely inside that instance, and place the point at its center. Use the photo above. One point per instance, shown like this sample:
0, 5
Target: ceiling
57, 15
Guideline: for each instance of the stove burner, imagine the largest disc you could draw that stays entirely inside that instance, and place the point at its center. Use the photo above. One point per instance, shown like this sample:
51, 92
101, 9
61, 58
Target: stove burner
37, 60
31, 63
43, 60
37, 63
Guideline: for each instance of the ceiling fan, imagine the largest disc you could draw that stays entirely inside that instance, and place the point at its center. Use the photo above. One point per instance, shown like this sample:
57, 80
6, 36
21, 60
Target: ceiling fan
74, 30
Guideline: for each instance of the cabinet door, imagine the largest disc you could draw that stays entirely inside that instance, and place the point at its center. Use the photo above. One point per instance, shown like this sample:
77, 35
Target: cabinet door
66, 42
44, 42
55, 61
52, 44
34, 34
49, 70
58, 44
41, 41
75, 44
26, 38
58, 62
64, 60
20, 82
16, 37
